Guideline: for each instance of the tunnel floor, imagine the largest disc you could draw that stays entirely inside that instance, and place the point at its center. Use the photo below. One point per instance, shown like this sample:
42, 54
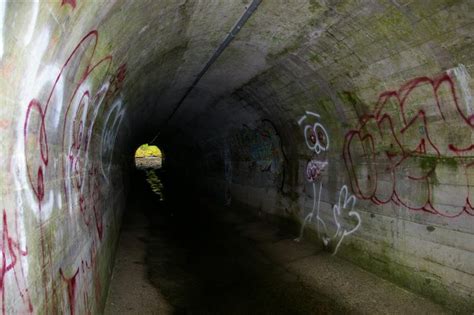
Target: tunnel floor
186, 255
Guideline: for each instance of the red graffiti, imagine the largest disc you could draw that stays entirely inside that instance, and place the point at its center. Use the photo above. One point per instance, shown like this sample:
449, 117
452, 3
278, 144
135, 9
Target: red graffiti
399, 152
81, 182
71, 288
72, 3
79, 284
11, 252
116, 82
37, 136
92, 189
35, 106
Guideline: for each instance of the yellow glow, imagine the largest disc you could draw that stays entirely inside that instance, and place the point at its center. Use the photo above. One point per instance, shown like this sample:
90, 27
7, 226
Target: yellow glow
146, 150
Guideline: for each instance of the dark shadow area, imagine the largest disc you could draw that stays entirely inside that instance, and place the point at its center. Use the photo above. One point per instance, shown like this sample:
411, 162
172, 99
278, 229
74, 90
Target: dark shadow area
198, 259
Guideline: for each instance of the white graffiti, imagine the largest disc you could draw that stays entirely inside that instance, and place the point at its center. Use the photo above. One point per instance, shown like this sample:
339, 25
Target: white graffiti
346, 202
314, 213
98, 101
109, 134
37, 80
75, 129
462, 76
29, 32
62, 96
317, 140
31, 26
315, 135
3, 6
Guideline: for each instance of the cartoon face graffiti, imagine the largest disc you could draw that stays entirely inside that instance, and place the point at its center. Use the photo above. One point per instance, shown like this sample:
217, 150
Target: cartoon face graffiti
316, 136
317, 141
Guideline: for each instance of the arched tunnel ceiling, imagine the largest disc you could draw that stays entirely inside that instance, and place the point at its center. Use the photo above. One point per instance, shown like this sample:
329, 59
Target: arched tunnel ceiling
384, 87
182, 49
320, 49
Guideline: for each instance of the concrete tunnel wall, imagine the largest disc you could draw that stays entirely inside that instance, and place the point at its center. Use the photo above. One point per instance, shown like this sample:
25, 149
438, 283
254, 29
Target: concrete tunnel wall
354, 118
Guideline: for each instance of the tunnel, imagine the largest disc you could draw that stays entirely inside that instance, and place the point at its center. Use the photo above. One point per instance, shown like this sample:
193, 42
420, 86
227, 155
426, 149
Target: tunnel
347, 126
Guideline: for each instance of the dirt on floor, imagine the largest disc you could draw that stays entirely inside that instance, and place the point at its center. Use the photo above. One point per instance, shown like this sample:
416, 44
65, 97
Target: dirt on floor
130, 290
184, 256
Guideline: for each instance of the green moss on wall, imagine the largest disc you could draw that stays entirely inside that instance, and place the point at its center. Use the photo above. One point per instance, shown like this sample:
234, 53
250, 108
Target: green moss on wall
427, 162
451, 162
295, 45
314, 6
419, 281
430, 163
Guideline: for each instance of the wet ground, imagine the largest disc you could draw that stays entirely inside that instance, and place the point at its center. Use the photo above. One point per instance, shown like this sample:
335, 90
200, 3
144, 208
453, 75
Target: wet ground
200, 259
203, 265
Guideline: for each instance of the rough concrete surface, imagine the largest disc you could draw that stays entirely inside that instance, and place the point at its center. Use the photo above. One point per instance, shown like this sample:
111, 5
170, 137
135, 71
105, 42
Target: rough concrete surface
130, 290
144, 163
354, 289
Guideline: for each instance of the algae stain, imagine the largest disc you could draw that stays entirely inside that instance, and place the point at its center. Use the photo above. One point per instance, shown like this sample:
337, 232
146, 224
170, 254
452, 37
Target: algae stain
450, 162
430, 163
314, 6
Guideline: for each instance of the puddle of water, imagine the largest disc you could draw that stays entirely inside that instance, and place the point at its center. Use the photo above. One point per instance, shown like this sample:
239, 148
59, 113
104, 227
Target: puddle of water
155, 183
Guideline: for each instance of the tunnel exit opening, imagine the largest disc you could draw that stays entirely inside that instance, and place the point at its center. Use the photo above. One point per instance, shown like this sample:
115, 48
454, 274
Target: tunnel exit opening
149, 158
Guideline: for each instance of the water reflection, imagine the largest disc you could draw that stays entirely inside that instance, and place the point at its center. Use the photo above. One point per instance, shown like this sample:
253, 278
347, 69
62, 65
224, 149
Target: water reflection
155, 183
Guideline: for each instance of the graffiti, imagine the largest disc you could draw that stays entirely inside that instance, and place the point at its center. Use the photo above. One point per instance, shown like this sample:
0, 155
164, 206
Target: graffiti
66, 114
314, 170
71, 288
113, 121
256, 152
79, 282
116, 82
3, 6
346, 202
34, 128
32, 22
92, 191
78, 121
407, 150
36, 81
463, 78
315, 135
260, 146
317, 141
12, 264
28, 33
72, 3
109, 134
